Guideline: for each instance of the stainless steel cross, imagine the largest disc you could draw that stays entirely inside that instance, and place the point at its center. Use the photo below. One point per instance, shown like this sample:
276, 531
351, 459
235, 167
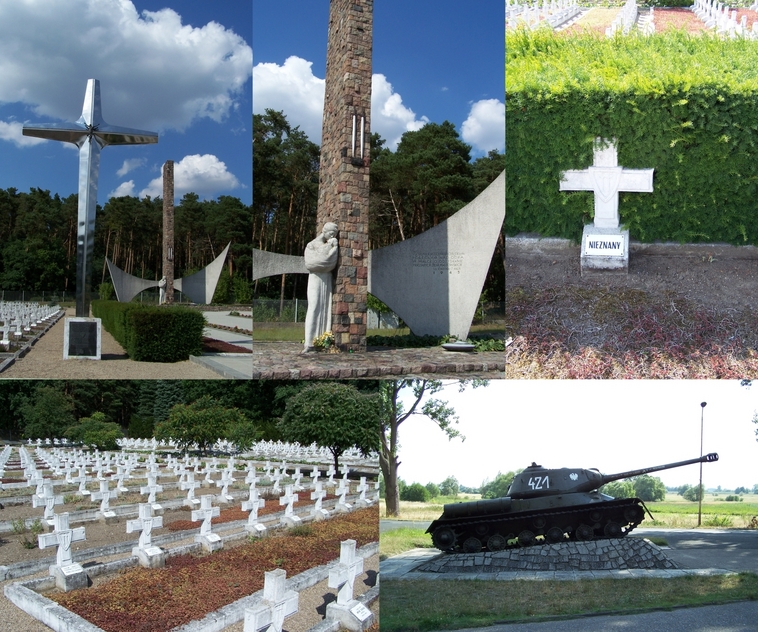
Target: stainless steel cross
90, 127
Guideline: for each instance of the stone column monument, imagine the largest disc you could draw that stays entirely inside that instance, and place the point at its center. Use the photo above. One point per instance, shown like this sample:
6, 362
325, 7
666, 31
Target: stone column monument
344, 173
168, 232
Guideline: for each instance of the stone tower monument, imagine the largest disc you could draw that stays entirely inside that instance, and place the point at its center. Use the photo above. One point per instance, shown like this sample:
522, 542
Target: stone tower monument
344, 171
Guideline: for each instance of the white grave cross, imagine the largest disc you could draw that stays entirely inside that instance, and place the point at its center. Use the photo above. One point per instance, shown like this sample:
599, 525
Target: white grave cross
144, 524
205, 513
343, 575
62, 537
606, 179
278, 603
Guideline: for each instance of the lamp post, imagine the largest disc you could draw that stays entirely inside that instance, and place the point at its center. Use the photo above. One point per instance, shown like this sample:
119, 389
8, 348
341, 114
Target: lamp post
700, 487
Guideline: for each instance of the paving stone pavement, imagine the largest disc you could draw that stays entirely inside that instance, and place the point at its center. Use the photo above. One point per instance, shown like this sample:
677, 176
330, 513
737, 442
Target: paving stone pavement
611, 554
406, 566
284, 361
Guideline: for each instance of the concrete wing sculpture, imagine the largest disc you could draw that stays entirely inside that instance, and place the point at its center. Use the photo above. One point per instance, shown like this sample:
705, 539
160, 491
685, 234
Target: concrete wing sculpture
126, 285
433, 281
201, 286
270, 263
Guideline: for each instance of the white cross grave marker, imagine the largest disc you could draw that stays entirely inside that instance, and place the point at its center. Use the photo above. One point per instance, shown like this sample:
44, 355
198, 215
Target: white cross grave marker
149, 556
318, 494
62, 537
606, 179
211, 541
604, 245
343, 575
104, 496
277, 604
152, 488
191, 485
253, 504
289, 499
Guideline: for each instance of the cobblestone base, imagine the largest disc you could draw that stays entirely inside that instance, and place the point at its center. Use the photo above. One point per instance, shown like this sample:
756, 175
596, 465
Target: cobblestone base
614, 554
284, 361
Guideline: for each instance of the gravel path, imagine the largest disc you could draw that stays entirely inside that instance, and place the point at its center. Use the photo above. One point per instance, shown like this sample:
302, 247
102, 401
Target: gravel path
45, 361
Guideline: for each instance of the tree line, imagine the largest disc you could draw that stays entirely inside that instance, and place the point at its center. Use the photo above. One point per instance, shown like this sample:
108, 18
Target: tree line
39, 230
424, 181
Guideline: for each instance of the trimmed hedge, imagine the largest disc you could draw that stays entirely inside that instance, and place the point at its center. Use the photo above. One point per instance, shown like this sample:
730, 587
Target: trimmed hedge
685, 105
152, 334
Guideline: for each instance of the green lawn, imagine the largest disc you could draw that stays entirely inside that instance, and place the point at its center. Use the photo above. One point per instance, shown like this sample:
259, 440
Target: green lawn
419, 606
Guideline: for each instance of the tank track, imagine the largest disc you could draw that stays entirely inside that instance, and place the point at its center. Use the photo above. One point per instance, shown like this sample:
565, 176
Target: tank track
612, 519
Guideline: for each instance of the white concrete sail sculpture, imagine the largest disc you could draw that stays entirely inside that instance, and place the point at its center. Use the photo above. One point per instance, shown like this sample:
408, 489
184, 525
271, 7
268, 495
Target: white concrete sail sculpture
199, 287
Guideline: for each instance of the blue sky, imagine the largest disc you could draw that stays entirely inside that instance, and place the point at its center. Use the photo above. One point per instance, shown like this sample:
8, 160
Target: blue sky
183, 70
614, 426
433, 60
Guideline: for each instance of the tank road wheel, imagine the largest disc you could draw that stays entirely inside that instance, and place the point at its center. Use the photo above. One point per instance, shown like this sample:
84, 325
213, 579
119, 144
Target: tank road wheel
596, 516
526, 538
444, 538
554, 535
634, 514
613, 530
539, 523
472, 545
584, 532
496, 542
481, 529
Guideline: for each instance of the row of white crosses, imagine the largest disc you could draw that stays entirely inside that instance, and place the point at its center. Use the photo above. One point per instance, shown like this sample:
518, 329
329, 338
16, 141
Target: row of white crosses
22, 317
717, 15
625, 20
554, 12
278, 602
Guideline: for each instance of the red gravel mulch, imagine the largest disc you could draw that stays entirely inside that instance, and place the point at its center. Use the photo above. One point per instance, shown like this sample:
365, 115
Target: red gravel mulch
211, 345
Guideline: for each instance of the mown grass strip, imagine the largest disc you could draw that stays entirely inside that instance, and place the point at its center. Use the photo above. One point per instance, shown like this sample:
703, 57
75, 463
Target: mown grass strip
419, 606
400, 540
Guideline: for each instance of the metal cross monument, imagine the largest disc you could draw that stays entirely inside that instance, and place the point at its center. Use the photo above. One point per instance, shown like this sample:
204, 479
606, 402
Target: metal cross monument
90, 134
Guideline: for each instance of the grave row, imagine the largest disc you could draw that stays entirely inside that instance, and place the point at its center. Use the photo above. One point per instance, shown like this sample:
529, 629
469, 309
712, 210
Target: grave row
555, 13
21, 317
68, 574
716, 15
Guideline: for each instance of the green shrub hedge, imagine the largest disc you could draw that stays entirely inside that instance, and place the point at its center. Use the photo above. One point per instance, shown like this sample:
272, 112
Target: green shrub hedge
685, 105
152, 334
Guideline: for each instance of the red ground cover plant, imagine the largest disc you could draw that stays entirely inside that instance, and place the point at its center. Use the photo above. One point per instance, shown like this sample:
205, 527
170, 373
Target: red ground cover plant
189, 587
626, 334
211, 345
677, 18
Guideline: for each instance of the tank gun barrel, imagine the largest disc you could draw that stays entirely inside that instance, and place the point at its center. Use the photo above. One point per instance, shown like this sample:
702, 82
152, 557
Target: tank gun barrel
707, 458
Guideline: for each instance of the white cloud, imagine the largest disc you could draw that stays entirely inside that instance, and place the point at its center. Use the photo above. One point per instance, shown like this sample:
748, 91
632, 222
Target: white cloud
484, 128
389, 117
12, 133
205, 175
123, 189
293, 89
130, 165
155, 73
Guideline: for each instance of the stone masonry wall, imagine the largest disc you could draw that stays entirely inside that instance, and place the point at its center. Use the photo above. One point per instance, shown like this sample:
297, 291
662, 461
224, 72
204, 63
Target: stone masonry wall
344, 173
611, 554
168, 229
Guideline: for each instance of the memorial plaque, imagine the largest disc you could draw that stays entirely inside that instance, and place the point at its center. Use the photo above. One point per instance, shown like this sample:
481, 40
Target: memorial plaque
82, 338
604, 245
361, 611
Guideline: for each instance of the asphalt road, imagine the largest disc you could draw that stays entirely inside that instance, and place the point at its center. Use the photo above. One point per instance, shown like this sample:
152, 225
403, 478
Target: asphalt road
735, 550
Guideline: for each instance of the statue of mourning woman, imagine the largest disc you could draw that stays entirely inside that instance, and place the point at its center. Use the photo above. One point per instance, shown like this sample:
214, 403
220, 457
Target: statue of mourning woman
320, 260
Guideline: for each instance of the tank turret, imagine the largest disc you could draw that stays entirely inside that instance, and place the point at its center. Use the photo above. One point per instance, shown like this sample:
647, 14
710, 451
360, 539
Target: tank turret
545, 505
